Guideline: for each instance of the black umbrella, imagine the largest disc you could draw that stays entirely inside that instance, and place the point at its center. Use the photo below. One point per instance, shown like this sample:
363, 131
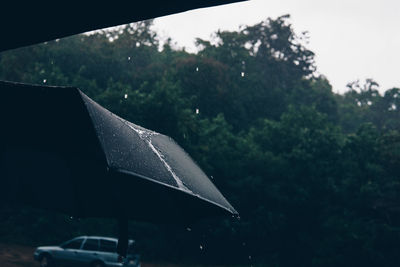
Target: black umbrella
30, 22
60, 150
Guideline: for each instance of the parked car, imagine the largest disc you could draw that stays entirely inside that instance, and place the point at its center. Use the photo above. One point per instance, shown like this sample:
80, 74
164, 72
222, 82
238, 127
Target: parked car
88, 251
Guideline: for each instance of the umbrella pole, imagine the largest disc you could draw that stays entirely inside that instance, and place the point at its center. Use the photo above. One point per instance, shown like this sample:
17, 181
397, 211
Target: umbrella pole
122, 246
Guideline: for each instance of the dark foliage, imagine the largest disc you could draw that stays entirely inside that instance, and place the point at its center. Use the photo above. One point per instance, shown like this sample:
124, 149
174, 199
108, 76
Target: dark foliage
315, 175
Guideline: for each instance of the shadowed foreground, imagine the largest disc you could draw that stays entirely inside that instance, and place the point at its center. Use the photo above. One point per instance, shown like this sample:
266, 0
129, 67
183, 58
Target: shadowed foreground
22, 256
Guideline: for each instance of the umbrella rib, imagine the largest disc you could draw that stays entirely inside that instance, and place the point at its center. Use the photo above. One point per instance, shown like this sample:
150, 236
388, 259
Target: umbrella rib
167, 166
177, 179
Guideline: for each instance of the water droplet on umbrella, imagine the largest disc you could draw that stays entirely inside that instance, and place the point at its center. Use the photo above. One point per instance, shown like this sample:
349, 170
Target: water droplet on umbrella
44, 80
242, 74
126, 96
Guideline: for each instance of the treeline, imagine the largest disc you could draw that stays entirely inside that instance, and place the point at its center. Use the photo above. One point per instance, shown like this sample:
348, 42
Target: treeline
314, 174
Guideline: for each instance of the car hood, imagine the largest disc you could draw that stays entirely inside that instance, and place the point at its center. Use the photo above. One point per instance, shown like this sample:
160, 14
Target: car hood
49, 248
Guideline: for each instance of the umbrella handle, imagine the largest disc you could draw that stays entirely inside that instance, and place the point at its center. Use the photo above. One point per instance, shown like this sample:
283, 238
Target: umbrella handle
122, 246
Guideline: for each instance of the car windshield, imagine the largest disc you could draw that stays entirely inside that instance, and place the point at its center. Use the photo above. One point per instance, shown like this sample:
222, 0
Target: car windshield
290, 110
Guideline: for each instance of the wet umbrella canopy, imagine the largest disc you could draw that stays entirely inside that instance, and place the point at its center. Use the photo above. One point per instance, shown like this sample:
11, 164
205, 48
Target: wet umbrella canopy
62, 151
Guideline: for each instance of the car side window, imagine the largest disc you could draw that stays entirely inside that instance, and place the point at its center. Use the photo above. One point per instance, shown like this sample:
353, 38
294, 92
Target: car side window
108, 246
73, 244
91, 244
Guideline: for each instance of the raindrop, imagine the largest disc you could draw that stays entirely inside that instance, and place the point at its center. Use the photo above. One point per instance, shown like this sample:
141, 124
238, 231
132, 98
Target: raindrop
137, 44
236, 216
242, 74
111, 39
126, 96
359, 103
249, 257
201, 247
244, 244
369, 103
71, 217
212, 177
197, 111
44, 80
189, 229
197, 68
129, 58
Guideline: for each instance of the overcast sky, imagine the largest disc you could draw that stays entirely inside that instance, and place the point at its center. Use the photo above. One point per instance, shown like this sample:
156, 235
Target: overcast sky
352, 39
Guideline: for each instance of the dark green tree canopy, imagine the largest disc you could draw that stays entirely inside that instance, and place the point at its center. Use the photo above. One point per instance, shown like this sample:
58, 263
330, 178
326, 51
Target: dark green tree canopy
314, 174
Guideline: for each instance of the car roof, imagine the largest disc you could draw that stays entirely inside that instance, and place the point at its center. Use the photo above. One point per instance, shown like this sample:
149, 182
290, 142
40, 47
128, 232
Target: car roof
102, 237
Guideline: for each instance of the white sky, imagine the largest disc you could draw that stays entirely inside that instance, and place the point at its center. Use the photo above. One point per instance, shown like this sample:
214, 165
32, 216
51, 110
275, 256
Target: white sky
352, 39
